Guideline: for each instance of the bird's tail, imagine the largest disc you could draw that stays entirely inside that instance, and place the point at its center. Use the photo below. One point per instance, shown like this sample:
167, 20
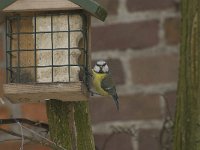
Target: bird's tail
116, 100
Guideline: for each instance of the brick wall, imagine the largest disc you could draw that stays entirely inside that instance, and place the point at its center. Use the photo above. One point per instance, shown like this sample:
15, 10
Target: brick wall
140, 41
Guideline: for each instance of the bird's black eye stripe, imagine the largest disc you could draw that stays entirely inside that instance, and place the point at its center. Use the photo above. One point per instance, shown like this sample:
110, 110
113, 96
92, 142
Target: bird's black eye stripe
98, 65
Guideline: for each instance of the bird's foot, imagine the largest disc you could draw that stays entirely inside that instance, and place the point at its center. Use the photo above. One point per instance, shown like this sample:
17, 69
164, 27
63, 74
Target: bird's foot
93, 93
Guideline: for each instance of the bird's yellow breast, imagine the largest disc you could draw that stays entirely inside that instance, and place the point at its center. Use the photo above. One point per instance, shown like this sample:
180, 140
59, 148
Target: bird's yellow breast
97, 79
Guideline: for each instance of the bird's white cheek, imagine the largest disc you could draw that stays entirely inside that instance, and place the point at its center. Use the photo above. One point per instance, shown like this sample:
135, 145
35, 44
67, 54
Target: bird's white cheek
96, 69
105, 69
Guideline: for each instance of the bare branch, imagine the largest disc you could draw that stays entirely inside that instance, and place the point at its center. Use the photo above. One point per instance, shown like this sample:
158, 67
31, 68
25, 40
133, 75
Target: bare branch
13, 133
25, 137
24, 121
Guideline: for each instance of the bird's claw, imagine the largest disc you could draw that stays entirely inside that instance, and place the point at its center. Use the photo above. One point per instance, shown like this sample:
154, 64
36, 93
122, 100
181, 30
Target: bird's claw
93, 93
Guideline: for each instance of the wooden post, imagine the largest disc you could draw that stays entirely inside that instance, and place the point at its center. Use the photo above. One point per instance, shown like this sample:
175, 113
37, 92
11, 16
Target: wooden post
85, 140
61, 124
70, 125
187, 121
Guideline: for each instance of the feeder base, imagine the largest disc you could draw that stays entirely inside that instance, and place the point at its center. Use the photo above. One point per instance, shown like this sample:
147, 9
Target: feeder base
25, 93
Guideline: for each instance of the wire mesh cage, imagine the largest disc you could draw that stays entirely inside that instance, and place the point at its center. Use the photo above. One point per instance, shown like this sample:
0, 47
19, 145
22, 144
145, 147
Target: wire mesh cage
47, 48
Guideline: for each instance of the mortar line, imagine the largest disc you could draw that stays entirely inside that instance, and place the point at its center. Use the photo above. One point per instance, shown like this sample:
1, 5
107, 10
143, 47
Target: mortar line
135, 142
135, 53
126, 65
107, 127
161, 31
127, 17
144, 89
162, 106
122, 9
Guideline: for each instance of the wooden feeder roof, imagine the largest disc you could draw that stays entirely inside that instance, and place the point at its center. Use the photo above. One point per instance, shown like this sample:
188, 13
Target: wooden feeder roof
90, 6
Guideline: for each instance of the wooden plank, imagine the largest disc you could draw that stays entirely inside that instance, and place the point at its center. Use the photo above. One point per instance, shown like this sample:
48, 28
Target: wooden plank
92, 7
2, 66
41, 5
5, 3
89, 43
2, 76
2, 18
18, 93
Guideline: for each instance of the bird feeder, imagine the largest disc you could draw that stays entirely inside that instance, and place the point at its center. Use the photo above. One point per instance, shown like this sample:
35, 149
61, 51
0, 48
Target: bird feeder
48, 49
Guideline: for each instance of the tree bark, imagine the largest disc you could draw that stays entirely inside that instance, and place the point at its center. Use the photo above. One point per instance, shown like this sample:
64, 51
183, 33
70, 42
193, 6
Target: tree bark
60, 119
69, 125
187, 120
85, 140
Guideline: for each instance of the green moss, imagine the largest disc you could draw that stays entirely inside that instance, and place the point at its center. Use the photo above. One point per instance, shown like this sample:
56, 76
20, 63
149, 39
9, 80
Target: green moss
59, 117
69, 125
186, 130
85, 140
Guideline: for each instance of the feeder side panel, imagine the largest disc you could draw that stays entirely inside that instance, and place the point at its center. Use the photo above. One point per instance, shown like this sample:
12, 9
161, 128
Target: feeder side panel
89, 42
21, 93
2, 18
2, 63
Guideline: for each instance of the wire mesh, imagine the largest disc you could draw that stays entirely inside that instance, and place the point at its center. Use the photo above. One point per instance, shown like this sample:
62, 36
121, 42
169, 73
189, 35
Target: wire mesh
23, 53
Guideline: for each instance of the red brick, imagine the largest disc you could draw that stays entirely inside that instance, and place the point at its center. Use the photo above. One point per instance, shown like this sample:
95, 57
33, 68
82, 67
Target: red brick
116, 70
36, 111
36, 147
142, 5
132, 107
17, 145
149, 139
155, 69
5, 113
111, 6
116, 142
122, 36
172, 31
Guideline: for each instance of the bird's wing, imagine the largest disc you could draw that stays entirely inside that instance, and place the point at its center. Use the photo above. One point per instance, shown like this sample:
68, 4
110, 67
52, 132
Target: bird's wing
108, 85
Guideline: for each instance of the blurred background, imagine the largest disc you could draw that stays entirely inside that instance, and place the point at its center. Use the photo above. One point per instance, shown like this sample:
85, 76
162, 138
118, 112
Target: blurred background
140, 41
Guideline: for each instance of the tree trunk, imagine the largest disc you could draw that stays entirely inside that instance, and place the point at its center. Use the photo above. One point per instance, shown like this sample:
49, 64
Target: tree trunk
69, 125
187, 121
60, 119
85, 140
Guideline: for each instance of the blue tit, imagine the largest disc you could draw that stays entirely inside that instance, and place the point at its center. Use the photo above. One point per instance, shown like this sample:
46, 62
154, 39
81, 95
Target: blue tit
102, 81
